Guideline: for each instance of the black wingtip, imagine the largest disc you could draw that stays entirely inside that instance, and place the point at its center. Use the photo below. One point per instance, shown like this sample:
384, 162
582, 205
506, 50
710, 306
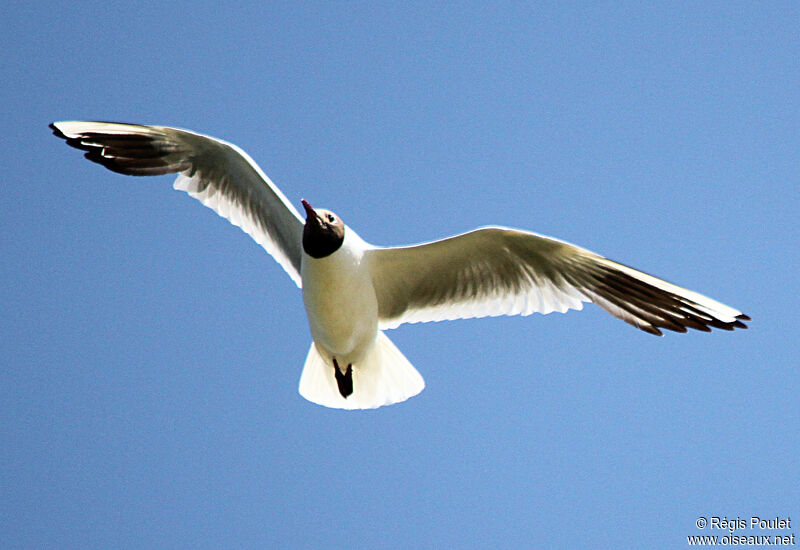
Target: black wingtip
651, 330
344, 381
72, 142
56, 131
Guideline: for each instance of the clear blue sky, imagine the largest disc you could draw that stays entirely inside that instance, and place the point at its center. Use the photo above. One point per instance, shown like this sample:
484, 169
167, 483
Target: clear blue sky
151, 351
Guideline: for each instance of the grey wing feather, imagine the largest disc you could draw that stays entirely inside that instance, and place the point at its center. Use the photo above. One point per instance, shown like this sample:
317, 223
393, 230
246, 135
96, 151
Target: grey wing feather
500, 271
217, 173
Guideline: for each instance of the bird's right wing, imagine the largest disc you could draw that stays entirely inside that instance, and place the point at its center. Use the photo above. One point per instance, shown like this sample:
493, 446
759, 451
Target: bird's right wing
217, 173
500, 271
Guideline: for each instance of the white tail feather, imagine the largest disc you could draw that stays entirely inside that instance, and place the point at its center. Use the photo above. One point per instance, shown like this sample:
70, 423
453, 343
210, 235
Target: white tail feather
383, 377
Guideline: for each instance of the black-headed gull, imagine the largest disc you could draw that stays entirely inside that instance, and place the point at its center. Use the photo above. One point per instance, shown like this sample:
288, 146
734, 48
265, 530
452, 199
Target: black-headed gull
353, 290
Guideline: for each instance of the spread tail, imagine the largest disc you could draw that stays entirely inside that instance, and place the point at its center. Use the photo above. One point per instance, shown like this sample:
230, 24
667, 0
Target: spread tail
383, 377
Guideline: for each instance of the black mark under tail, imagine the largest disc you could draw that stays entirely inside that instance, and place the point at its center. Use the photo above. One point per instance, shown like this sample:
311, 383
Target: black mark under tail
344, 381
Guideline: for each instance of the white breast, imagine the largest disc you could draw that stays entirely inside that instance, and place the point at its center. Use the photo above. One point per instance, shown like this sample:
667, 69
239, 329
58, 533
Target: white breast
340, 300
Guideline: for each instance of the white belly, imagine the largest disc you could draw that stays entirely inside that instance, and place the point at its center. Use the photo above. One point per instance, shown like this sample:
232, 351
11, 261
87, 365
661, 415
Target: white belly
341, 305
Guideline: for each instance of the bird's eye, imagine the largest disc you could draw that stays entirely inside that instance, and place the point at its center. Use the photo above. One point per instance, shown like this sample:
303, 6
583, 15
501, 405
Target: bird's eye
331, 219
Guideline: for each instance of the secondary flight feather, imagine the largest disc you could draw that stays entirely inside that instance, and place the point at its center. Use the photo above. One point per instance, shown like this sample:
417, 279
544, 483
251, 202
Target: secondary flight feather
353, 290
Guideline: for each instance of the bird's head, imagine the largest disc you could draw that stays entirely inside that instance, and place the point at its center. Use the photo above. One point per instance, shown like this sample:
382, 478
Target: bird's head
323, 233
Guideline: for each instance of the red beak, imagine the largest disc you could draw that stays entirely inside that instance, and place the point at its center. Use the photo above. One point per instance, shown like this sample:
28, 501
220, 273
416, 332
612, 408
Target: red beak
309, 209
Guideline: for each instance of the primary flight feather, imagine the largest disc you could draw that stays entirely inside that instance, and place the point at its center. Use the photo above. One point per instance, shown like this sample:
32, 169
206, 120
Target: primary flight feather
353, 290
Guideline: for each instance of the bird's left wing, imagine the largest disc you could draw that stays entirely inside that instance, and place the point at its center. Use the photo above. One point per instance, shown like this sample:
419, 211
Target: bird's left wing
217, 173
500, 271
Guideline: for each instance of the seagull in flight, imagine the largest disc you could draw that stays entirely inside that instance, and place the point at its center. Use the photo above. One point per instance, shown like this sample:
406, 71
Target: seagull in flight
353, 290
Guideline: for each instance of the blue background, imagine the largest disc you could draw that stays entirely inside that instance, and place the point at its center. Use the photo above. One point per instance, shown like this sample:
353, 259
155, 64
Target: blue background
151, 351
